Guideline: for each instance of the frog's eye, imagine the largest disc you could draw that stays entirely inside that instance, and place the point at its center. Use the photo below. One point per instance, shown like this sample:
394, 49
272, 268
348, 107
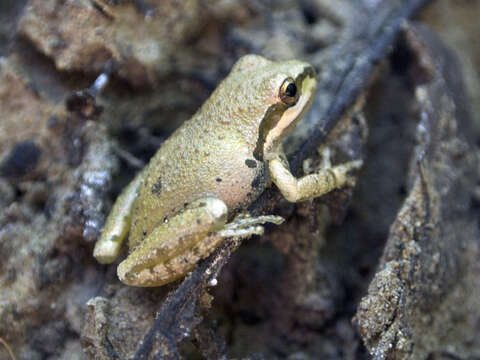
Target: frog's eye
289, 92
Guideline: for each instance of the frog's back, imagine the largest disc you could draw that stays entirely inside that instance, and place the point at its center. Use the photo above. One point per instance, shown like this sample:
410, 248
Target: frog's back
212, 154
196, 161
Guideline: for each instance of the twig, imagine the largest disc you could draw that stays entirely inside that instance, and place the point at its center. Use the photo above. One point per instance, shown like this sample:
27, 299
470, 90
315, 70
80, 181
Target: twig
9, 350
357, 74
132, 160
179, 307
83, 102
162, 338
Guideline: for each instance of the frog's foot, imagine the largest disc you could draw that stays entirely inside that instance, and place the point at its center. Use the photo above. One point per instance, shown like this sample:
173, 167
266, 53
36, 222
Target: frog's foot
342, 171
325, 154
245, 225
312, 185
345, 171
174, 248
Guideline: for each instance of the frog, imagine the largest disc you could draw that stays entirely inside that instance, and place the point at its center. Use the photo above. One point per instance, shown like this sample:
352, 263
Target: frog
195, 191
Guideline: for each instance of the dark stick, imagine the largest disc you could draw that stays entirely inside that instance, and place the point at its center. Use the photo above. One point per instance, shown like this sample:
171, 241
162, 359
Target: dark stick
357, 74
176, 314
176, 318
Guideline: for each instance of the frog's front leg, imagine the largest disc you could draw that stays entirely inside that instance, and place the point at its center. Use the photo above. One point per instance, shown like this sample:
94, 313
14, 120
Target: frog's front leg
173, 248
312, 185
117, 225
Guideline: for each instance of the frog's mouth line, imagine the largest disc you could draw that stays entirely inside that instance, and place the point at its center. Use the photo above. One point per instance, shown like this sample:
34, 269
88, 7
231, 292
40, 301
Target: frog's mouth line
287, 121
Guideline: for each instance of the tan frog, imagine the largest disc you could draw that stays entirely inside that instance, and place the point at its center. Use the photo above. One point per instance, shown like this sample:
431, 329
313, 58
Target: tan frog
176, 211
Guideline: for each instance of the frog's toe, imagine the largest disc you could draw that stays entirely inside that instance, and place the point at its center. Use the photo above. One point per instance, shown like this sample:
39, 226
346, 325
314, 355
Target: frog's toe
350, 167
246, 225
355, 164
124, 274
242, 232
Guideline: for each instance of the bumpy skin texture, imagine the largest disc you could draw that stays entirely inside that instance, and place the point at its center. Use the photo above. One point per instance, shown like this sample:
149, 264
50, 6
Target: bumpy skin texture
214, 165
212, 154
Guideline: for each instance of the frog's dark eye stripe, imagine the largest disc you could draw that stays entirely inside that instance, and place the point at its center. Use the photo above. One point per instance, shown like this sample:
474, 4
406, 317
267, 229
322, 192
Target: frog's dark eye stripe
289, 92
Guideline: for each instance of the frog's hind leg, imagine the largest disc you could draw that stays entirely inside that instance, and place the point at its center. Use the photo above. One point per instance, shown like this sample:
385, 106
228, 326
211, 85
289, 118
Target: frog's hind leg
150, 263
173, 248
117, 226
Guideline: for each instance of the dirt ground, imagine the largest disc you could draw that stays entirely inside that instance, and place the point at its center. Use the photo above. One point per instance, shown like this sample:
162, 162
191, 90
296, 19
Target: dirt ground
385, 270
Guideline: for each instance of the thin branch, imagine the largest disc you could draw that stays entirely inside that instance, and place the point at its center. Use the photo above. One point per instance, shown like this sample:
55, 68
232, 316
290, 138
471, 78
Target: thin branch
176, 317
169, 326
359, 70
9, 350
